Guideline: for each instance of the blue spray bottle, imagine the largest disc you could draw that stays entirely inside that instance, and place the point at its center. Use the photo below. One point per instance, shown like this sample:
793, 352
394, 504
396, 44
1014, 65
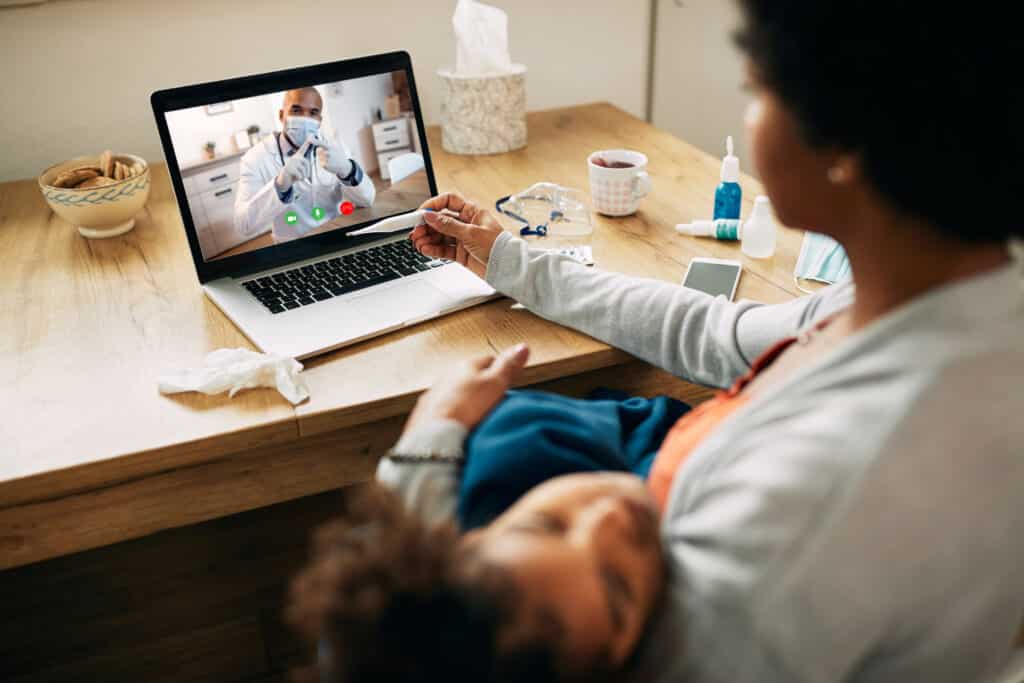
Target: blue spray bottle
729, 193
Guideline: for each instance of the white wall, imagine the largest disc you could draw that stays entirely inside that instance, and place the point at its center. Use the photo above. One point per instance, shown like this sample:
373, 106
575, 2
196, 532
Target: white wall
698, 75
77, 74
192, 128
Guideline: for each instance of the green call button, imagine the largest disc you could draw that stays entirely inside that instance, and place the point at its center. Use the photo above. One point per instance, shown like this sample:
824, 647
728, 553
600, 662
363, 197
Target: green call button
317, 213
291, 218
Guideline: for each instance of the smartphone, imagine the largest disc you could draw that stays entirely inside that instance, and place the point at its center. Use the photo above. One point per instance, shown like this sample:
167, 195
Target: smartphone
714, 276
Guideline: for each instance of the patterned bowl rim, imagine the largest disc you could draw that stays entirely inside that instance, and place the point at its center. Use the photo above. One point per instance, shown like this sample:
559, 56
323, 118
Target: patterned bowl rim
85, 160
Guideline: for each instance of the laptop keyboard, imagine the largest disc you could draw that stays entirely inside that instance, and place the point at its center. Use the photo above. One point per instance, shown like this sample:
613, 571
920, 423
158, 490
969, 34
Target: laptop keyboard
306, 285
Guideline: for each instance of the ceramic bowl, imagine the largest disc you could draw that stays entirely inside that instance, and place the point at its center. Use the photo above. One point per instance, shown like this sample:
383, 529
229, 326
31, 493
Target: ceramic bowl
98, 212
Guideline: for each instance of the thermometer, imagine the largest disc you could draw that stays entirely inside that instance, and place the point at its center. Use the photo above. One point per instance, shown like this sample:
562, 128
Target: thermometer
405, 221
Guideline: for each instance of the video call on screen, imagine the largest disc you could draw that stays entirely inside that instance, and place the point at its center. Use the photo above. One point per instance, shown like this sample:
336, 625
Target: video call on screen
273, 168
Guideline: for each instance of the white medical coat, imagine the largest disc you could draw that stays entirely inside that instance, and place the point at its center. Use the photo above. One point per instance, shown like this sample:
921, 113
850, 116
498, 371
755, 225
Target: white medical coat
258, 205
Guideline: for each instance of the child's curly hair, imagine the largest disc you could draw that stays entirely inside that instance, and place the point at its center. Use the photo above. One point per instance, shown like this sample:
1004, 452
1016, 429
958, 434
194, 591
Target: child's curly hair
393, 599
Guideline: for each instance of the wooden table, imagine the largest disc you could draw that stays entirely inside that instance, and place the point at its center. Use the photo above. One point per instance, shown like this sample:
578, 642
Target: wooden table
91, 454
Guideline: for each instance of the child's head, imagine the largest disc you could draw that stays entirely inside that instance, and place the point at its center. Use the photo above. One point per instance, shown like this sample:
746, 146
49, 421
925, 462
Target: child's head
559, 587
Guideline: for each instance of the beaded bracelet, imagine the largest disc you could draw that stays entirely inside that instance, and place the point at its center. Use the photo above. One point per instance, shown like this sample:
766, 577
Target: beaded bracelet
442, 458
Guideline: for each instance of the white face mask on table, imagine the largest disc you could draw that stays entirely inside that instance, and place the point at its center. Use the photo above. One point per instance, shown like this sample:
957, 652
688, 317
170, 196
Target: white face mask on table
822, 259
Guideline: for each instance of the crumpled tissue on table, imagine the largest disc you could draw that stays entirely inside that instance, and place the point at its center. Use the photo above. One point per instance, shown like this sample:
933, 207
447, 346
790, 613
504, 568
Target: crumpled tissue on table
232, 370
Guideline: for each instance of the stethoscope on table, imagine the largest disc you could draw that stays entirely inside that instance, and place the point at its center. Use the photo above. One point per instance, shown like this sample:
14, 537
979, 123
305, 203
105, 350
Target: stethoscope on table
540, 230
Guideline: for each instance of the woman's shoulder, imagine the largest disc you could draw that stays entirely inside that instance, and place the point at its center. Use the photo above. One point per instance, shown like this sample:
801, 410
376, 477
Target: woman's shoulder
877, 490
862, 419
928, 392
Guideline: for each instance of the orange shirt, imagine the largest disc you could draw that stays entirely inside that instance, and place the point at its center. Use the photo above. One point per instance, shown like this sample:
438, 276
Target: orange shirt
696, 425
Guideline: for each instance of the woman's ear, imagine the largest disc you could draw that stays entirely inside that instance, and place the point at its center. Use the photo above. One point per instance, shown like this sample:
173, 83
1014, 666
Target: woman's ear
845, 170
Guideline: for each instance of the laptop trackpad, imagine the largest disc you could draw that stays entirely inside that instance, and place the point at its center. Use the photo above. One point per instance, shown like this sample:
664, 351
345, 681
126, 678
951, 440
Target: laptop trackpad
402, 302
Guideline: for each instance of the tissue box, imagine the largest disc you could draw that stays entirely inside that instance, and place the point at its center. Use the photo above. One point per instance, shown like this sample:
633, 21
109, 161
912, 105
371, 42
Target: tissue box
483, 114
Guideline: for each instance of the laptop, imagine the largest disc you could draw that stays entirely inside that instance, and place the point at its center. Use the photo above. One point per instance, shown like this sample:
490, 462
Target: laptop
281, 231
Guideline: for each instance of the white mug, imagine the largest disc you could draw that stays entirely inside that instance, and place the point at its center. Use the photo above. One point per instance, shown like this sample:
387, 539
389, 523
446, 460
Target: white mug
618, 191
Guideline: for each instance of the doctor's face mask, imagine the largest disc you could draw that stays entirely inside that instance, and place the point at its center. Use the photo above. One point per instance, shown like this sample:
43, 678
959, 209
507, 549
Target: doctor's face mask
298, 128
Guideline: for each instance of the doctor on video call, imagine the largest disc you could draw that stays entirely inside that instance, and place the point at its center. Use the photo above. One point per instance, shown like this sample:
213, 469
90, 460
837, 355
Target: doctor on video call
295, 180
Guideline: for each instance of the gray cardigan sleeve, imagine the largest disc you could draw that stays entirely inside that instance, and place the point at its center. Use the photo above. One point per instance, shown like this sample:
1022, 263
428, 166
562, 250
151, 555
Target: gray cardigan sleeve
701, 338
704, 339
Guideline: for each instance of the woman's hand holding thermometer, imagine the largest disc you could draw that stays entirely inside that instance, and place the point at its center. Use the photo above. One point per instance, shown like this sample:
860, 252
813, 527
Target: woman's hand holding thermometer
457, 229
447, 227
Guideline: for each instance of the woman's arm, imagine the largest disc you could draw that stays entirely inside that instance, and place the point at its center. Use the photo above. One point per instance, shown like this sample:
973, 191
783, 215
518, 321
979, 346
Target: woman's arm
705, 339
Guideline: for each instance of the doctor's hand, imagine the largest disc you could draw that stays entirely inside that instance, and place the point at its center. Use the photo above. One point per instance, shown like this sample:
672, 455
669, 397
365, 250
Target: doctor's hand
471, 391
295, 169
335, 158
466, 238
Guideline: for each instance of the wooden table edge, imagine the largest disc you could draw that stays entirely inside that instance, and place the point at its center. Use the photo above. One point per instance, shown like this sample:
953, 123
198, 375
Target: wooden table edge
332, 420
259, 476
117, 469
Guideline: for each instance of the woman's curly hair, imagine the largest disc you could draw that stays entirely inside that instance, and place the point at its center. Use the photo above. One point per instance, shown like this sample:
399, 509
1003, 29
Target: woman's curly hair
392, 599
925, 92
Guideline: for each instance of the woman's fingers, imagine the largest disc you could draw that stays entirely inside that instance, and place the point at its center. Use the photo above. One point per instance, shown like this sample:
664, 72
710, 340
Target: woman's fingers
448, 225
464, 209
453, 202
429, 242
447, 200
432, 238
445, 251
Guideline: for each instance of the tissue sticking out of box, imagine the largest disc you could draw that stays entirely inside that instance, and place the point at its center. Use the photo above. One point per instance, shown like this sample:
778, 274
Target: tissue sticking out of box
483, 98
481, 40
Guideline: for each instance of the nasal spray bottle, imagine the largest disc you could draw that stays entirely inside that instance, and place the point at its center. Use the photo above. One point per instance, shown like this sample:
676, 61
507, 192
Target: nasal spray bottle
727, 230
758, 232
729, 193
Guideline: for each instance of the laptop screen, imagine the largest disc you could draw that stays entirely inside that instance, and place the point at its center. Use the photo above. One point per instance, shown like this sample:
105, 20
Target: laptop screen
287, 165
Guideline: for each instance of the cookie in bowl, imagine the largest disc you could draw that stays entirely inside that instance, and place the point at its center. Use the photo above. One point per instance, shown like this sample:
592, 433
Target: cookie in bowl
99, 195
